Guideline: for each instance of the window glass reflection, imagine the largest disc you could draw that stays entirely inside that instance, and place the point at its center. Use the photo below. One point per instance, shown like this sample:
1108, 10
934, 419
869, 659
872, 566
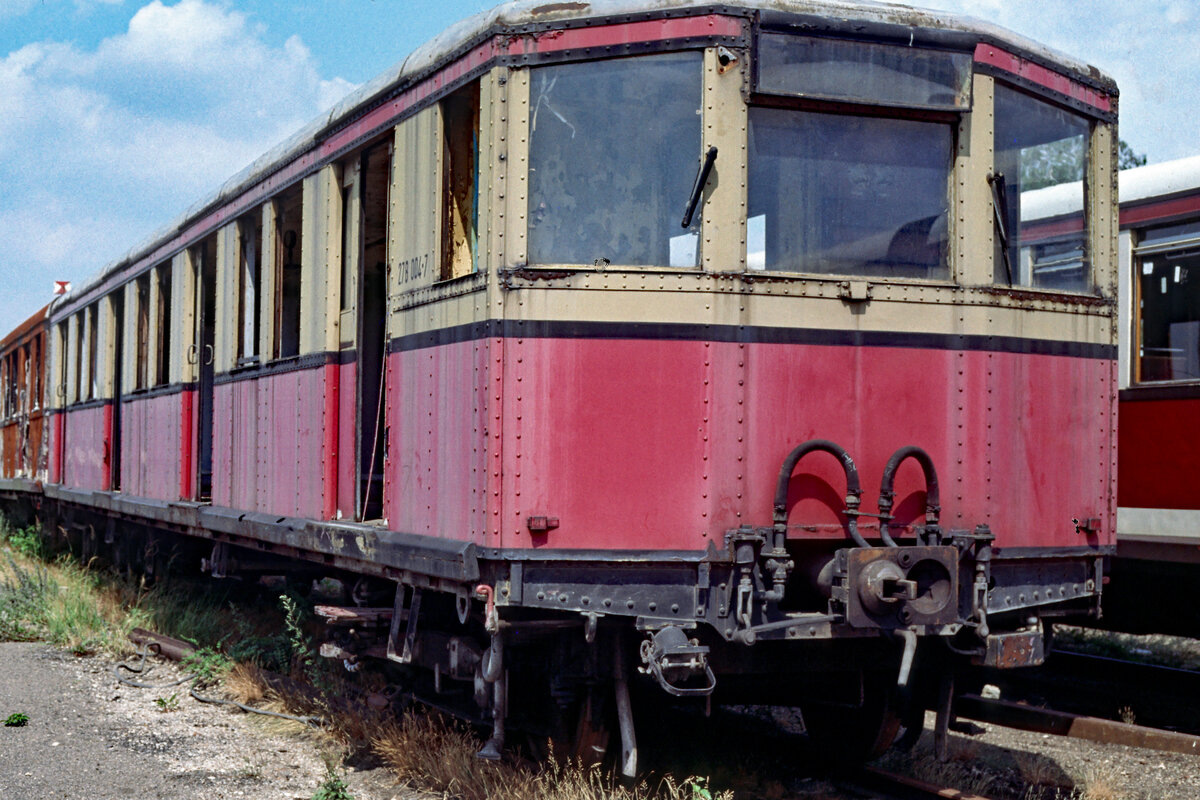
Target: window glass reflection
848, 195
1041, 158
614, 149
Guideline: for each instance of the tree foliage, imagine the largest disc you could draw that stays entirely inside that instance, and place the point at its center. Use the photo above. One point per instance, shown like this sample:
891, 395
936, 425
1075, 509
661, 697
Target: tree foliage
1063, 161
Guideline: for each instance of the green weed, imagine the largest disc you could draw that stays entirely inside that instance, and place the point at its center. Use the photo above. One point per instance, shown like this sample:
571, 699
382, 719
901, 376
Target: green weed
167, 704
208, 664
17, 720
333, 787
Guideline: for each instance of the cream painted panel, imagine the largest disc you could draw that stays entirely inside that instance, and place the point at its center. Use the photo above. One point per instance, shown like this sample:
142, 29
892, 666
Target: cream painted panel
225, 332
266, 330
320, 261
415, 215
73, 333
973, 226
725, 125
516, 253
183, 316
351, 252
106, 328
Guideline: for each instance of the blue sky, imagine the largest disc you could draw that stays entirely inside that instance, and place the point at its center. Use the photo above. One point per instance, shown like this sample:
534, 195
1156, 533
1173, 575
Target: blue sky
116, 115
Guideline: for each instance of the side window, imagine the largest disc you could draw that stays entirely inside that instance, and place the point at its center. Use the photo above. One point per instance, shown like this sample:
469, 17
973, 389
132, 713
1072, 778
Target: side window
613, 151
1167, 264
142, 346
162, 324
250, 282
91, 344
77, 329
61, 390
862, 187
460, 178
1038, 185
287, 233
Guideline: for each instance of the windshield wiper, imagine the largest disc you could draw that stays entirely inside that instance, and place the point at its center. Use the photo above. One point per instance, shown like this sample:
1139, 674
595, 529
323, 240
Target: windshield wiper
1000, 207
710, 158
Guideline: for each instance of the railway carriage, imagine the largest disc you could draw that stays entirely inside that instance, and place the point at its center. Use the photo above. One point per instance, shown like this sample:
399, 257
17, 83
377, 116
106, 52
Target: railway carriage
23, 443
1158, 522
702, 341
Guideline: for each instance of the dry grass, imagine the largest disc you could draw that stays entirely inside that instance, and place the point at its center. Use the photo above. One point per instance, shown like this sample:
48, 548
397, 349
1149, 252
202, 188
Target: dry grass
245, 683
1098, 785
429, 753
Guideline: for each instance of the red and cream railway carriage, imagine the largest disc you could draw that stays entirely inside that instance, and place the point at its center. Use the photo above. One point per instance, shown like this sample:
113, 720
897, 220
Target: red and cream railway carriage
23, 402
702, 339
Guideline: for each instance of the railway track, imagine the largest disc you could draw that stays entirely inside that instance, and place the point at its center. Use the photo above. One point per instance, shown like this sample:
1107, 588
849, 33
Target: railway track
879, 784
1107, 688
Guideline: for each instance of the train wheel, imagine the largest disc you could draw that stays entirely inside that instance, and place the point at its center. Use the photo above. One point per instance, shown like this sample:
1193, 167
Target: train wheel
852, 735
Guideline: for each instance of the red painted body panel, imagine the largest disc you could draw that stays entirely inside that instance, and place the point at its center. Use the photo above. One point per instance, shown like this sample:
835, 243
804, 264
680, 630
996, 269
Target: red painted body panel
86, 439
667, 444
151, 430
1040, 75
329, 441
346, 430
1150, 476
641, 445
106, 477
435, 472
187, 451
1159, 210
268, 435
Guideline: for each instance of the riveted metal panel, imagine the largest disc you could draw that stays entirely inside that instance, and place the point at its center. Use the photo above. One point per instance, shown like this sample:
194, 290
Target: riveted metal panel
1103, 227
725, 114
516, 207
414, 219
150, 444
320, 261
973, 227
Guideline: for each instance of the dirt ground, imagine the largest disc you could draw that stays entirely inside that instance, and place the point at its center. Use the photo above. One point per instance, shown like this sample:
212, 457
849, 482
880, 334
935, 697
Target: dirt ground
90, 737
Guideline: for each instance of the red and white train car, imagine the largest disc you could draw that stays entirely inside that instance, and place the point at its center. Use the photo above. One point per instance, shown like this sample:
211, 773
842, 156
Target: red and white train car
1158, 523
705, 339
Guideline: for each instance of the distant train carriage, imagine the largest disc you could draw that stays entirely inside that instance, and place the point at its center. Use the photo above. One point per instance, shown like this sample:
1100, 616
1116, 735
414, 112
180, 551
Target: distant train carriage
1158, 523
713, 341
23, 444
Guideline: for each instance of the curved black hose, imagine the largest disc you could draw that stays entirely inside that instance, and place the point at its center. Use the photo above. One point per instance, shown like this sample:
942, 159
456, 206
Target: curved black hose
853, 486
192, 678
887, 495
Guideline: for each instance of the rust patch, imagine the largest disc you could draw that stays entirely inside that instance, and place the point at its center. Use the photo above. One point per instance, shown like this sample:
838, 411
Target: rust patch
550, 8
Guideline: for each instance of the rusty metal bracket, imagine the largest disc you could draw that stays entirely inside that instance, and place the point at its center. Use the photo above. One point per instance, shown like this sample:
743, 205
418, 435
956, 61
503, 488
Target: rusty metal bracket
405, 654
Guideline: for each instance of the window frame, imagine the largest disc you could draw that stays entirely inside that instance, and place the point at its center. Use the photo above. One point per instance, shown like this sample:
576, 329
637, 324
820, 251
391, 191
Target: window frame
840, 108
1139, 249
705, 54
1086, 211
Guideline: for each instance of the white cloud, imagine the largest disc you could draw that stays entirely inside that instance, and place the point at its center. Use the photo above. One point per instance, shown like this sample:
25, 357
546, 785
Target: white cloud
11, 9
101, 146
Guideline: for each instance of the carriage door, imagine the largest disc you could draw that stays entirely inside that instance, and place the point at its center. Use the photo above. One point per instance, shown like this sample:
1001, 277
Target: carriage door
364, 281
205, 264
118, 326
